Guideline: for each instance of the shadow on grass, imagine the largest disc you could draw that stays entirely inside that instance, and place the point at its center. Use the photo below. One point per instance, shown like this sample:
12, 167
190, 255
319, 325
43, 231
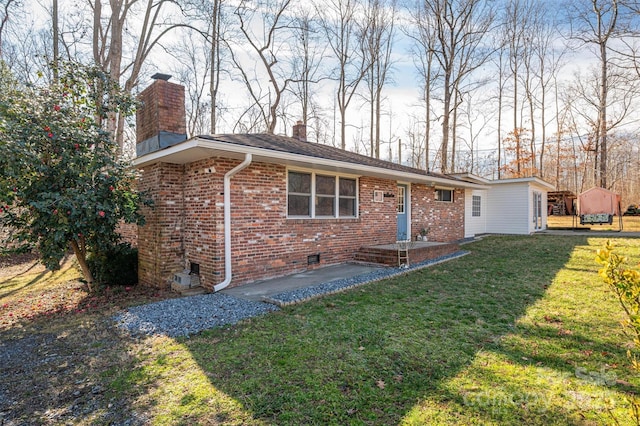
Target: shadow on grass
55, 376
57, 342
21, 287
374, 354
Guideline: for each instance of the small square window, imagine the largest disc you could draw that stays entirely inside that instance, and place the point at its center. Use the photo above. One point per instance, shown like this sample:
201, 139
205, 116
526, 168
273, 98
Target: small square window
476, 202
445, 195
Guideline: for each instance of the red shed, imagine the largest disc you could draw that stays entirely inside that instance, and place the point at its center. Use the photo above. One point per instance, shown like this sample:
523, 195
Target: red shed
598, 206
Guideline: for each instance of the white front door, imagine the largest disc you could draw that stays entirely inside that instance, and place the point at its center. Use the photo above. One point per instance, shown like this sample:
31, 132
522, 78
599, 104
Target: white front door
537, 211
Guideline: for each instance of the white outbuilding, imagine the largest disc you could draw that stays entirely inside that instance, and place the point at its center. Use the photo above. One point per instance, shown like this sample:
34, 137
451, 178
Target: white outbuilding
507, 206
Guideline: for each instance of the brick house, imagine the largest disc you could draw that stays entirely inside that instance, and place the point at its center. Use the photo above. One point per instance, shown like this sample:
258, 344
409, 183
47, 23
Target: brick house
242, 207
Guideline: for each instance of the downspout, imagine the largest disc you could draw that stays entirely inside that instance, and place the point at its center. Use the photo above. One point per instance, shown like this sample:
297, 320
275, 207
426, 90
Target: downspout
227, 221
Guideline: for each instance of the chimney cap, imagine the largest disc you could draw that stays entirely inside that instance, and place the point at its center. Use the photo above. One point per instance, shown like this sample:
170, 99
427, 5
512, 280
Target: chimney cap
160, 76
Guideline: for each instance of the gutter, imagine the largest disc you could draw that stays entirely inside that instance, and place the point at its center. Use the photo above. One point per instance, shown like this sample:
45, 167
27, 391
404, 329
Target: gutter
227, 221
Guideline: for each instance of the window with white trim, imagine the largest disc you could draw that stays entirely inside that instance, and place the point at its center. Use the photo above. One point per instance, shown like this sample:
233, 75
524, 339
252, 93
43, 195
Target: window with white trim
299, 194
347, 197
333, 196
325, 195
445, 195
476, 202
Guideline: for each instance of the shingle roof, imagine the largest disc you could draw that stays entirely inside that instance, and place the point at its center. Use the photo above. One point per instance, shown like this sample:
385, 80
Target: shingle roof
316, 150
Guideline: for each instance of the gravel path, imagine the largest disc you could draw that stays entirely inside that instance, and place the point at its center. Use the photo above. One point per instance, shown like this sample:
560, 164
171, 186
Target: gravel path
190, 315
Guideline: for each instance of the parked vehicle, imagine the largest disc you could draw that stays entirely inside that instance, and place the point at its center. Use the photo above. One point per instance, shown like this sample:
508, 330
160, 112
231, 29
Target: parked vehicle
632, 210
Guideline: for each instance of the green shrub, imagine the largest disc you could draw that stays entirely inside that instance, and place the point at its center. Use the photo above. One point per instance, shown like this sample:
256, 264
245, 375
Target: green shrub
625, 284
117, 265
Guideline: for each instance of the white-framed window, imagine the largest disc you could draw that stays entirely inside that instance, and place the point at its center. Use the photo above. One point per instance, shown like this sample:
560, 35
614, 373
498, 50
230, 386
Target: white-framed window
476, 202
325, 195
347, 197
299, 194
445, 195
321, 195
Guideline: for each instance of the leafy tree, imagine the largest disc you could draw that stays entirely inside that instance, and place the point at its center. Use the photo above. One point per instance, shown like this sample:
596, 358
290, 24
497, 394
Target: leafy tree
625, 285
62, 185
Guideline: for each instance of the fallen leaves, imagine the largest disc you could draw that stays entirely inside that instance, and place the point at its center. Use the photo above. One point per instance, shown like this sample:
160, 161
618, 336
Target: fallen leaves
71, 298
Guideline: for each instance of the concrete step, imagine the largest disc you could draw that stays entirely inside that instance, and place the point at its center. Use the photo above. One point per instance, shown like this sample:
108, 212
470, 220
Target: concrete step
388, 255
188, 285
193, 291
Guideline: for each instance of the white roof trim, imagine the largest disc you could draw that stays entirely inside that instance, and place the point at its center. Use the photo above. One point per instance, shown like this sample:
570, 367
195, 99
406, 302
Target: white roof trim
469, 177
196, 149
533, 179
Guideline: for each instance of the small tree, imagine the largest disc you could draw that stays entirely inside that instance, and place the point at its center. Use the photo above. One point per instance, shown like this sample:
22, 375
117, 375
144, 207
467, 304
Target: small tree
61, 185
625, 284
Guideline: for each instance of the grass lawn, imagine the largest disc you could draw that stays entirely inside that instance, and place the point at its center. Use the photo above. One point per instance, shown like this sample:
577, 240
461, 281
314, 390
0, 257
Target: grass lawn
629, 223
520, 331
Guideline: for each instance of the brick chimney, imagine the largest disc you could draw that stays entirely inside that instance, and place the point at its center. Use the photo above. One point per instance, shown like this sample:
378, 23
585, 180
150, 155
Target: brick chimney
300, 131
161, 117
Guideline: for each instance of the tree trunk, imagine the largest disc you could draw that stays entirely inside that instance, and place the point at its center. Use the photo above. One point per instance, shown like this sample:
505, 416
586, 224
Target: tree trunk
544, 132
215, 63
516, 132
427, 114
56, 40
445, 120
378, 107
558, 137
454, 133
603, 116
372, 118
81, 257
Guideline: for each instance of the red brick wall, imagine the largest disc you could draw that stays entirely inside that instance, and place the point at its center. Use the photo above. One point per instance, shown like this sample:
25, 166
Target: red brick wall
160, 250
445, 220
264, 242
128, 233
187, 225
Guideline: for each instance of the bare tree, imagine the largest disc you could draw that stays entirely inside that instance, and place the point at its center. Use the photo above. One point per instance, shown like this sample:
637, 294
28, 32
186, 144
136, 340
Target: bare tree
476, 122
308, 51
424, 45
628, 48
113, 31
5, 14
415, 142
193, 67
518, 27
339, 20
210, 19
501, 64
595, 23
378, 39
549, 56
585, 92
215, 60
268, 46
460, 27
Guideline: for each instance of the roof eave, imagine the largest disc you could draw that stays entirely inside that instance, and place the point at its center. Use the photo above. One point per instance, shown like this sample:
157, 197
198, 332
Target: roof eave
197, 149
532, 179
